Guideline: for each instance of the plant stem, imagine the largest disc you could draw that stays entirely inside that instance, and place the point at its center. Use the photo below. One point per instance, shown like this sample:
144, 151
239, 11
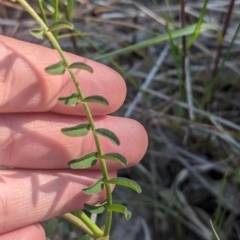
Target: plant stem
42, 12
77, 222
69, 9
69, 16
104, 169
89, 224
55, 16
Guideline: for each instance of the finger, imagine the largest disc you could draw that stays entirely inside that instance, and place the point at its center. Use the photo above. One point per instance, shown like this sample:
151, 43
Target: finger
36, 141
29, 197
31, 232
26, 87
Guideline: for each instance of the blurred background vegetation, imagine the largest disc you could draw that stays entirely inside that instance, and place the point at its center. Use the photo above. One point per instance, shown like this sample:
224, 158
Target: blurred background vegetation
180, 60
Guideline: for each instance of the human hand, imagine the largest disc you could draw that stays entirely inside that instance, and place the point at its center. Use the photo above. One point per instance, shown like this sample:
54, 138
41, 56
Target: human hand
40, 186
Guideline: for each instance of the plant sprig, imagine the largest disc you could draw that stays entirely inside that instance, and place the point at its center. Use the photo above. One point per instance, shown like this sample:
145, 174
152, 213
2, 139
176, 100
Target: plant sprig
80, 218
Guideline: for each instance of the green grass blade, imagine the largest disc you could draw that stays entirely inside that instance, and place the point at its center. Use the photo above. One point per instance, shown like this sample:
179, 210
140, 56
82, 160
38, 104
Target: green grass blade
55, 16
196, 32
70, 8
165, 37
42, 12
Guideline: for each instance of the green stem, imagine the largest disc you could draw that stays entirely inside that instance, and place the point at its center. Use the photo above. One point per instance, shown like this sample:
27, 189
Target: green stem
70, 8
56, 10
55, 16
42, 12
77, 222
104, 169
93, 227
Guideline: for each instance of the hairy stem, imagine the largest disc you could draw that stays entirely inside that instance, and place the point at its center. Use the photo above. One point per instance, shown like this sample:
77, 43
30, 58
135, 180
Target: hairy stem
88, 113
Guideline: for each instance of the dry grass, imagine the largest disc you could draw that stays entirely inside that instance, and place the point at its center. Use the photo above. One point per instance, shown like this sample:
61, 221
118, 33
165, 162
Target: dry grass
191, 172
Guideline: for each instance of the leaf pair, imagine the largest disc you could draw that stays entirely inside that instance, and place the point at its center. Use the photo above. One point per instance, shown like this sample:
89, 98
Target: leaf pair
121, 181
90, 160
113, 207
60, 67
59, 25
74, 99
83, 129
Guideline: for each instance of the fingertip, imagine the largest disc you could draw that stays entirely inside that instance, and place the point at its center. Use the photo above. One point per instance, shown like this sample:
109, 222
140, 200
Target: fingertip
139, 142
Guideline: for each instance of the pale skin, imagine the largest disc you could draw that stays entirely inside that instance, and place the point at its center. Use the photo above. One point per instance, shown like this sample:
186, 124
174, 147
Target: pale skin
40, 185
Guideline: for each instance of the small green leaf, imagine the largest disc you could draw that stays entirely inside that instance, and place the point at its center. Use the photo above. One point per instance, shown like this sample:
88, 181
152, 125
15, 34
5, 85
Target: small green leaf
37, 33
71, 100
109, 134
126, 183
95, 209
51, 226
85, 161
85, 237
77, 131
115, 157
96, 99
56, 69
81, 65
95, 188
60, 25
121, 209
